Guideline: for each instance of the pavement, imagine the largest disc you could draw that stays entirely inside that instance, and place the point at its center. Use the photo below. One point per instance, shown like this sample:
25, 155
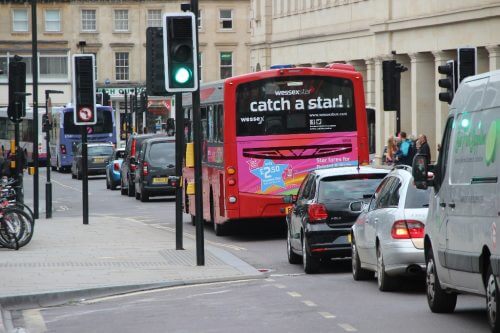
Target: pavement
67, 261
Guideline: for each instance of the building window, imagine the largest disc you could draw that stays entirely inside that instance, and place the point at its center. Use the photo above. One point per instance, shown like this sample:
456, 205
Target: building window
89, 20
154, 18
52, 20
53, 67
121, 66
20, 20
226, 65
121, 20
226, 19
200, 21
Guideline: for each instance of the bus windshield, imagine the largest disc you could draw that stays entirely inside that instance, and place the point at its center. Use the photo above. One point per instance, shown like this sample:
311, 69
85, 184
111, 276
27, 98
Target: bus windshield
295, 105
104, 123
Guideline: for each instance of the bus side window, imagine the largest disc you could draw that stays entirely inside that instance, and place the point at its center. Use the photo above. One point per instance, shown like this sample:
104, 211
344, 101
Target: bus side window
220, 126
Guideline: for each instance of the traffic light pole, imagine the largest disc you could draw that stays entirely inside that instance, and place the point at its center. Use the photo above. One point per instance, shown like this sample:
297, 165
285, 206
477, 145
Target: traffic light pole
34, 64
179, 145
19, 168
398, 102
85, 178
125, 121
198, 136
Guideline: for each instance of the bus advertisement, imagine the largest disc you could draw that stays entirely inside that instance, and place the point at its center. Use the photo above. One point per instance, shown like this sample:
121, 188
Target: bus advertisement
263, 132
64, 134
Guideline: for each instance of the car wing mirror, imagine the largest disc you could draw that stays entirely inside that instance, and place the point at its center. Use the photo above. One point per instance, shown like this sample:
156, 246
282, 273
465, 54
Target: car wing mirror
420, 172
290, 199
357, 206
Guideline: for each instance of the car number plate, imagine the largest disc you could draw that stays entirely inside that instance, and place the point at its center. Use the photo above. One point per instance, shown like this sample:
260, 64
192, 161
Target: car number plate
160, 180
288, 210
349, 238
98, 160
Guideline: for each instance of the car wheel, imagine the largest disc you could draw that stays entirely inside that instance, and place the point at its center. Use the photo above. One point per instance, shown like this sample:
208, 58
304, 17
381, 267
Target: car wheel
73, 175
358, 273
107, 183
78, 174
144, 196
384, 281
137, 195
439, 300
112, 185
293, 258
130, 189
492, 301
311, 264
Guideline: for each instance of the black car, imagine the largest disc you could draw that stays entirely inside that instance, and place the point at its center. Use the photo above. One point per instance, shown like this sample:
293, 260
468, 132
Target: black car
129, 165
326, 207
98, 155
155, 165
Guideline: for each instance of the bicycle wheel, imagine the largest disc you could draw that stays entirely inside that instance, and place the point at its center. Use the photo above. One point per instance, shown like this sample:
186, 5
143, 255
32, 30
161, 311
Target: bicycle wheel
11, 229
28, 224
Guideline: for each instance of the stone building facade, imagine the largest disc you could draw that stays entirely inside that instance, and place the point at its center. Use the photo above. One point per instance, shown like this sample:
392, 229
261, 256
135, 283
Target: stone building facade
420, 34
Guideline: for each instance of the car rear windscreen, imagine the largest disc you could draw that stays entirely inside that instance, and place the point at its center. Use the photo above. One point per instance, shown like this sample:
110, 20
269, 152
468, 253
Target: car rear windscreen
100, 150
295, 105
416, 198
161, 154
355, 187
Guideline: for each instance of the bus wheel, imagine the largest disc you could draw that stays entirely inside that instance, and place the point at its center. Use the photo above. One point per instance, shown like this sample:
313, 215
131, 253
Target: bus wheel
220, 229
193, 221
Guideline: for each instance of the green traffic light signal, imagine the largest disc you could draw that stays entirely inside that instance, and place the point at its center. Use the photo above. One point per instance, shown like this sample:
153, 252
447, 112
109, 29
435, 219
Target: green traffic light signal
182, 75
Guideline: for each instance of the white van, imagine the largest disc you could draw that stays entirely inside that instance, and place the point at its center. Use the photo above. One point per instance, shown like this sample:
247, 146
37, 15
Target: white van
462, 246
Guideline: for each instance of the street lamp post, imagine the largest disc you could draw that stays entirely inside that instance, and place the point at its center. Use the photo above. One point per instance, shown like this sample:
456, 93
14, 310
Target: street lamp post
47, 126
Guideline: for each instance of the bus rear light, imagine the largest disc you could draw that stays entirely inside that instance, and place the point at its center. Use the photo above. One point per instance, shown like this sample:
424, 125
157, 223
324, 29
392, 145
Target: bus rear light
63, 149
231, 170
231, 181
145, 170
407, 229
116, 166
232, 199
317, 212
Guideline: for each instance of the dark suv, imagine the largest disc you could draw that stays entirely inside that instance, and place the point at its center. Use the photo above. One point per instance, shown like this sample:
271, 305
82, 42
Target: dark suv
156, 163
129, 164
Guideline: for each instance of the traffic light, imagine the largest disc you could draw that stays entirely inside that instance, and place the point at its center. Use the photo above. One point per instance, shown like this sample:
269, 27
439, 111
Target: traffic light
84, 89
144, 101
391, 79
17, 90
449, 82
181, 55
155, 63
466, 62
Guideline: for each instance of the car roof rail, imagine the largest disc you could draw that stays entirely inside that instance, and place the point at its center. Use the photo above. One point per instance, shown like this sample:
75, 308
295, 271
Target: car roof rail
402, 166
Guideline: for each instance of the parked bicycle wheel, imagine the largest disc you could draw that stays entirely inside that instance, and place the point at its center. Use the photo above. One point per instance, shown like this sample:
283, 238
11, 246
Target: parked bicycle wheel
12, 227
25, 219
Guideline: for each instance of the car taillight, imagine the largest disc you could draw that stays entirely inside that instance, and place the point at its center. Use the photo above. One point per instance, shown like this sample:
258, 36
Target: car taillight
406, 229
317, 212
116, 166
133, 166
145, 170
63, 149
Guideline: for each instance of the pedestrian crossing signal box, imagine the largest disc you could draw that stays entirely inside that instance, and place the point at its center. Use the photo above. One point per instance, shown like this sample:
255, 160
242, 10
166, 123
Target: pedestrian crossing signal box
84, 92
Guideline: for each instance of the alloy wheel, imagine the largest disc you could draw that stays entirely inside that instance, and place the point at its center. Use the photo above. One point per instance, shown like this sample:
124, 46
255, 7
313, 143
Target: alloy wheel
491, 298
430, 280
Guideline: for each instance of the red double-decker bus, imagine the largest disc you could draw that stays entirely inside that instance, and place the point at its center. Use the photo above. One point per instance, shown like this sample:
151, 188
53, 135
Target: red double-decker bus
264, 131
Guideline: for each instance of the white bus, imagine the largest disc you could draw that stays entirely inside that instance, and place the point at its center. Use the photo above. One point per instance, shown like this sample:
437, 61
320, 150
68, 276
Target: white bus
25, 134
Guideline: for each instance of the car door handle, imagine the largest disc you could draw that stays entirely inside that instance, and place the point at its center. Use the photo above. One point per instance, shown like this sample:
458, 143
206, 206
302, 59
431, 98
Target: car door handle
442, 204
452, 205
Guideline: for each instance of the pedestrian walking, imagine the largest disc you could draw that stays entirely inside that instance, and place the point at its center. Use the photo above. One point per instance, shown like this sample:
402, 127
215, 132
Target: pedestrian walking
406, 150
392, 148
423, 147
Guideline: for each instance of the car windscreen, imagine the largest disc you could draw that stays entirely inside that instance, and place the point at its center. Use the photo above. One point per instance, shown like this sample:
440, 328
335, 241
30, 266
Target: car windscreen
104, 123
161, 154
295, 105
356, 187
416, 198
100, 150
120, 154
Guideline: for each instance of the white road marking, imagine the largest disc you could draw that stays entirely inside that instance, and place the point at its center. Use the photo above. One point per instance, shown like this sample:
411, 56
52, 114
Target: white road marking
348, 328
205, 294
280, 286
294, 294
327, 315
270, 280
33, 321
309, 303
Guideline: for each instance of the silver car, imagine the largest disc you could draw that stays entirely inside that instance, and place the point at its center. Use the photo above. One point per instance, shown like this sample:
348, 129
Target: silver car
387, 237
